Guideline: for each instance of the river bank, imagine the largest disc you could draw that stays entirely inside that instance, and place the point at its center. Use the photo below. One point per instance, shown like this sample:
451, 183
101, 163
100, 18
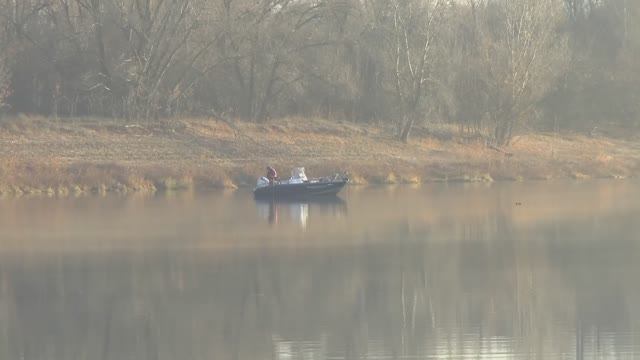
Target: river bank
79, 156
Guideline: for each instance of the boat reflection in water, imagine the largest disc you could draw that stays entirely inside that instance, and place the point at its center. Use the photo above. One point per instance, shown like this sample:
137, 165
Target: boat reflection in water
297, 211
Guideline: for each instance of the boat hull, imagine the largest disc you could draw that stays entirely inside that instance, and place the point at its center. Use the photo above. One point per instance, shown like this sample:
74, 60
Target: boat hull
300, 191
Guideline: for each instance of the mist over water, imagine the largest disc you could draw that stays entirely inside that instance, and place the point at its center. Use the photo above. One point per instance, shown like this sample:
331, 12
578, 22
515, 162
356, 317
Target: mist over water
517, 270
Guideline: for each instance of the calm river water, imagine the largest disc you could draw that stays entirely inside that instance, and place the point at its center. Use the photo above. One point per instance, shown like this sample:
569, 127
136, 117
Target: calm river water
520, 270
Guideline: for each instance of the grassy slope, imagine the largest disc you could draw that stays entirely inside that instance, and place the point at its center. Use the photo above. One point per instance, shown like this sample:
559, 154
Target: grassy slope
76, 156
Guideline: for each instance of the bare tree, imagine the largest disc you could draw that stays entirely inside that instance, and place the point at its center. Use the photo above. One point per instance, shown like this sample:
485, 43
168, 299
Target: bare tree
263, 45
5, 84
416, 25
5, 80
157, 35
524, 51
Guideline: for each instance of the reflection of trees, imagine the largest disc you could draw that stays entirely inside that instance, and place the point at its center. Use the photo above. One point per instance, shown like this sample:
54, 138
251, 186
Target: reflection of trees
405, 297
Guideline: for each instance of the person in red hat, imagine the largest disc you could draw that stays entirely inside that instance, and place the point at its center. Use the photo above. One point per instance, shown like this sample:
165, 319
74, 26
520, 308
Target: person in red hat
272, 175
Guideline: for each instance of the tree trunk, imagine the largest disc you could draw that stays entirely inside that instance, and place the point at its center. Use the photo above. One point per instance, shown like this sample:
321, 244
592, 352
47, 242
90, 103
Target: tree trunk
503, 131
406, 128
262, 111
250, 108
102, 56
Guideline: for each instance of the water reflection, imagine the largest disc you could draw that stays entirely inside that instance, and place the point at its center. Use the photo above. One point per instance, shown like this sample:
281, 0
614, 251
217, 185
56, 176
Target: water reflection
409, 301
298, 211
451, 272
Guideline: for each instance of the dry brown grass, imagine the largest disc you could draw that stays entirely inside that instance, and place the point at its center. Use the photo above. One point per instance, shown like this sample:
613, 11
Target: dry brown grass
76, 156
